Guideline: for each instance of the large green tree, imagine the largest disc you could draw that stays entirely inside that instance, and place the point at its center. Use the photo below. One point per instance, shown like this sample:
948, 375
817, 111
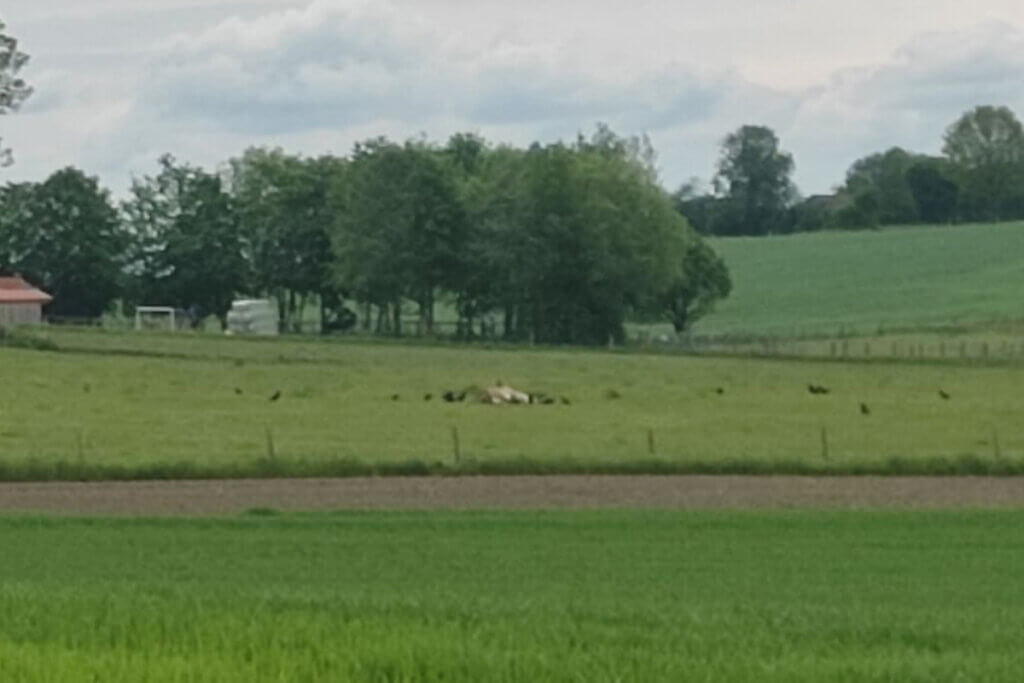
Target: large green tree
400, 231
65, 235
575, 238
190, 251
488, 182
282, 203
13, 89
702, 280
884, 177
934, 190
754, 175
986, 148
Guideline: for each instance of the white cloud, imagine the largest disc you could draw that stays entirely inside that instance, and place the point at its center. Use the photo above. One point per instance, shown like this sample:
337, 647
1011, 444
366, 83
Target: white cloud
318, 76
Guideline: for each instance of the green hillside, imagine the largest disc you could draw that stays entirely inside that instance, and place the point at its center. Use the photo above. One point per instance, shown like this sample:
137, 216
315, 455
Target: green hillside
817, 282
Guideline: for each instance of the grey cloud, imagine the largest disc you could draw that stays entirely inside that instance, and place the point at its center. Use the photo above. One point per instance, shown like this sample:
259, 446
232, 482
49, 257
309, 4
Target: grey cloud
337, 70
341, 65
908, 101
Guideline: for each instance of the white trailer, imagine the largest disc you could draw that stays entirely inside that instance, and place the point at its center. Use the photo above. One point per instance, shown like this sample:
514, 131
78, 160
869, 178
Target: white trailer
253, 317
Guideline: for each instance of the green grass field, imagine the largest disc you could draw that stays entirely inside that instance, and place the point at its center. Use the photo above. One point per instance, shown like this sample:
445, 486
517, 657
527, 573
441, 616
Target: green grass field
818, 282
596, 596
175, 411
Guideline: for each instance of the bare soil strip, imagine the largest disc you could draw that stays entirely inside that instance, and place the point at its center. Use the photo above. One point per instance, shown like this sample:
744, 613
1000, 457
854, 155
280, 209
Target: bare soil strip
193, 498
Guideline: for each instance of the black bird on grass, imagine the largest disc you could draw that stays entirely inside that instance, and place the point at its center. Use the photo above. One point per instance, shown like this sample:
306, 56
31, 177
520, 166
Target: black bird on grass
943, 395
719, 391
817, 389
394, 397
238, 392
427, 397
864, 410
276, 395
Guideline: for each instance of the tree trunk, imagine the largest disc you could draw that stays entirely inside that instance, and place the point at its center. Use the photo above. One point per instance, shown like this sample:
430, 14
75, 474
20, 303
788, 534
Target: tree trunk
291, 310
300, 318
430, 313
282, 312
680, 318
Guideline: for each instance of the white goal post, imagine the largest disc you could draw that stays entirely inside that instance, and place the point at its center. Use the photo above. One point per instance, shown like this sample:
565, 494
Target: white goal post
154, 310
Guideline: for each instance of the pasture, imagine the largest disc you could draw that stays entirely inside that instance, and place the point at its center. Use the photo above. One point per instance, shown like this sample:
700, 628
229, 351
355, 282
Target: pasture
528, 596
821, 282
130, 405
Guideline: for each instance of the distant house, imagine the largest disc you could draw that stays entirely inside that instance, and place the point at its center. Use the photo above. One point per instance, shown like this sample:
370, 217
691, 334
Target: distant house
20, 302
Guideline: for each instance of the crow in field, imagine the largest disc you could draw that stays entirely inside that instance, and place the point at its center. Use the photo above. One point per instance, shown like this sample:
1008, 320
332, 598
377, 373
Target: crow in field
943, 395
448, 396
276, 395
719, 391
394, 397
547, 401
817, 389
864, 410
427, 397
238, 392
461, 396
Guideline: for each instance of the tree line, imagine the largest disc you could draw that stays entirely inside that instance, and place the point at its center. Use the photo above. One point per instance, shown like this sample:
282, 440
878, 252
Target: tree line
978, 177
556, 243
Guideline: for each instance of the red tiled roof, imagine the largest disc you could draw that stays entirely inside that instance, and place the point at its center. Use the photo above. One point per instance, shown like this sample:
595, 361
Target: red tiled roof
14, 290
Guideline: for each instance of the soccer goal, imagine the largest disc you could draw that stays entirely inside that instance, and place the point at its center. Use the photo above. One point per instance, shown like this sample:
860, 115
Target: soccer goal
155, 317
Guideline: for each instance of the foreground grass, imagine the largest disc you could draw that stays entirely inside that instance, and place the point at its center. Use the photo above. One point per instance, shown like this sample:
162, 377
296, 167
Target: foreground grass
859, 280
598, 596
199, 407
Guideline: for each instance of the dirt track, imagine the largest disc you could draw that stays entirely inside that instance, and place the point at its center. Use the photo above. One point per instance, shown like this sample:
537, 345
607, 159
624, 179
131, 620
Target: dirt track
528, 492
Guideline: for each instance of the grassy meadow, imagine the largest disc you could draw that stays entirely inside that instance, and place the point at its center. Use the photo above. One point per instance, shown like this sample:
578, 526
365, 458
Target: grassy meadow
128, 404
581, 596
819, 282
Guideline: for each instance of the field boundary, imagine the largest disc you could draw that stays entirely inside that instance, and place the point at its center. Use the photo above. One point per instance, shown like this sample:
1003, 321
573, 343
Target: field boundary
35, 470
267, 497
847, 350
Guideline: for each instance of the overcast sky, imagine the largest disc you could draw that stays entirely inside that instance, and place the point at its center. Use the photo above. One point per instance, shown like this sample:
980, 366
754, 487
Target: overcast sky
119, 82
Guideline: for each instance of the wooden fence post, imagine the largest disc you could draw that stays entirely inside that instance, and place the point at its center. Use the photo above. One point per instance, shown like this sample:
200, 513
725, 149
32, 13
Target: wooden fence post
271, 454
455, 445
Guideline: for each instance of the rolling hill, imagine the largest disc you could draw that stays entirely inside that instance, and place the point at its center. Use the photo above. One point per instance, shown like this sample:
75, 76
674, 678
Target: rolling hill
897, 277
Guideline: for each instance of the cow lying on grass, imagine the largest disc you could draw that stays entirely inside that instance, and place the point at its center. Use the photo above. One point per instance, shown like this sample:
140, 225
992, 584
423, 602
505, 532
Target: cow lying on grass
503, 394
500, 394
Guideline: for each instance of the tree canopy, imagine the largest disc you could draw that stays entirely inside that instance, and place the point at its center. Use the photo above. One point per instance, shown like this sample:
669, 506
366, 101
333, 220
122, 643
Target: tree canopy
65, 235
13, 89
754, 176
556, 243
189, 250
986, 148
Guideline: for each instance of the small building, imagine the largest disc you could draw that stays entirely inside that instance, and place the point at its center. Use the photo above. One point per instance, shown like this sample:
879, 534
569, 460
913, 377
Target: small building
20, 302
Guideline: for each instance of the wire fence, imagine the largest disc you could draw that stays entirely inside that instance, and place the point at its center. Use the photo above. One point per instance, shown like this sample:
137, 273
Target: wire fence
1003, 341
